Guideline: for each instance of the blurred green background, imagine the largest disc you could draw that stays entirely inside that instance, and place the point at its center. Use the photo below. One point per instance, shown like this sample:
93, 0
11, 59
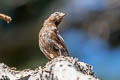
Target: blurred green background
91, 29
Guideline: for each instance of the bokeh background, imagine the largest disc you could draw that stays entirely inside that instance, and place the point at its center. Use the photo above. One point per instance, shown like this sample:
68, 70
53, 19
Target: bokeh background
91, 30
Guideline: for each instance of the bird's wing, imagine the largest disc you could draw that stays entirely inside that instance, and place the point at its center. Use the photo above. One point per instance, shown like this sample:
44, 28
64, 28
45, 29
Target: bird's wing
58, 43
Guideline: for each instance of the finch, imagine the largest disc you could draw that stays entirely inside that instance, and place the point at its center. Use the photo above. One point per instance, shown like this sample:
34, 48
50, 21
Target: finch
50, 41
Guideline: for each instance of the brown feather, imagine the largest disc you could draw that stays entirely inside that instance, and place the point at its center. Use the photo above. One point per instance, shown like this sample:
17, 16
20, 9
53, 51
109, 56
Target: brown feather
50, 41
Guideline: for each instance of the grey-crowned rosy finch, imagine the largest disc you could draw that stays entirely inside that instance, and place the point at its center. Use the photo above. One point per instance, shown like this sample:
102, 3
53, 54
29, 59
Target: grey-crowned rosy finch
50, 41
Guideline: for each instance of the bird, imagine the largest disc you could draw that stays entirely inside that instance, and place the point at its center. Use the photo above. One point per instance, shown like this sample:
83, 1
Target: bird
50, 41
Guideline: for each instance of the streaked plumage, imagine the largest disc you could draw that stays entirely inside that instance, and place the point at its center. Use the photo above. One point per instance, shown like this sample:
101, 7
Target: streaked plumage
50, 41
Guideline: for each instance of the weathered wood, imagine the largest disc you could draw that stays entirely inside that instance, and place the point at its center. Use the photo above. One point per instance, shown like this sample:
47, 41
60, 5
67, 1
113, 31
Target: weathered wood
60, 68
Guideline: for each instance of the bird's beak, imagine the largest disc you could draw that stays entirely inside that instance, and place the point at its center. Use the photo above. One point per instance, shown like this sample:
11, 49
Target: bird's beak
62, 14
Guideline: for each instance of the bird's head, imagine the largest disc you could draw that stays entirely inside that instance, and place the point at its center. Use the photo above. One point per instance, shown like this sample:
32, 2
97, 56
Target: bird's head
56, 17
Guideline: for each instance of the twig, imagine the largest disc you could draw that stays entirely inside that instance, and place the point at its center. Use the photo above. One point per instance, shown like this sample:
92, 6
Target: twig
5, 18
